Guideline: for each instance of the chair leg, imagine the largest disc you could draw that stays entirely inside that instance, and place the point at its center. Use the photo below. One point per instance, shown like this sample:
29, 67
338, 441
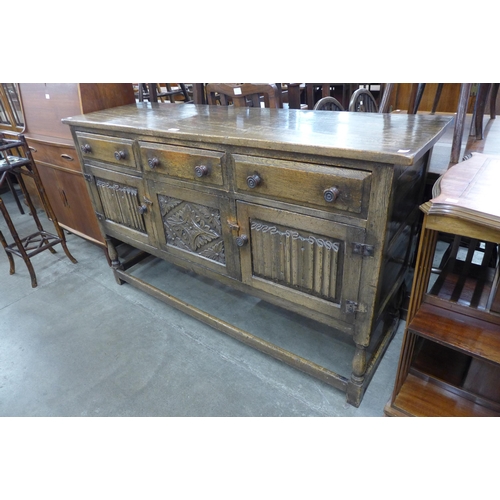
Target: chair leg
482, 96
460, 122
493, 100
436, 98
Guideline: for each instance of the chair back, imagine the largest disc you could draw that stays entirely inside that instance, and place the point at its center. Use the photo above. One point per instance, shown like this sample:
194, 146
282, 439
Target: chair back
362, 100
328, 104
244, 94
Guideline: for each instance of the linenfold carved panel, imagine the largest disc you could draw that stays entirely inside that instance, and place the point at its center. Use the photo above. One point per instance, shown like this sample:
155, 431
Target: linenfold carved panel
303, 261
120, 204
192, 227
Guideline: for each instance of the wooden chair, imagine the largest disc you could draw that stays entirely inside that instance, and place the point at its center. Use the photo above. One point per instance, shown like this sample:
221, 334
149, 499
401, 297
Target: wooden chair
362, 100
153, 92
328, 104
244, 94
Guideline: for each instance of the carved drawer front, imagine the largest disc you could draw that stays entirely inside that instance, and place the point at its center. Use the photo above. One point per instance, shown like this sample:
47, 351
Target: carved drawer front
302, 259
55, 154
318, 186
194, 226
107, 149
199, 165
121, 204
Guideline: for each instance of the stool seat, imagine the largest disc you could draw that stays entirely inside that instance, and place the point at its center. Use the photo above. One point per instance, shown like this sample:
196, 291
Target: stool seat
16, 159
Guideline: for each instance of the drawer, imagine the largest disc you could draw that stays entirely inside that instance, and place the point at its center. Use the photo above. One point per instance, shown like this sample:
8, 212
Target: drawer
192, 164
319, 186
107, 149
55, 154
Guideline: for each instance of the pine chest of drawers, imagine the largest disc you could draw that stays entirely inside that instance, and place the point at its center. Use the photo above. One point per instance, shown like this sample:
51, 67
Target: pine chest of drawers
312, 211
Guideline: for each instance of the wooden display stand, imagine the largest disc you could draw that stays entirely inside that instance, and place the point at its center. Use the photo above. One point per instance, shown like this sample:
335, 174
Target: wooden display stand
450, 359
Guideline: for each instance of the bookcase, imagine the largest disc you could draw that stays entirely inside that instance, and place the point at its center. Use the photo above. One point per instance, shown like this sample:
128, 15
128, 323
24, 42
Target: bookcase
450, 358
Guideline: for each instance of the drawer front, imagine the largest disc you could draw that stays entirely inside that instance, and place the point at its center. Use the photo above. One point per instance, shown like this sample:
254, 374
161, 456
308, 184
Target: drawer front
318, 186
55, 154
107, 149
192, 164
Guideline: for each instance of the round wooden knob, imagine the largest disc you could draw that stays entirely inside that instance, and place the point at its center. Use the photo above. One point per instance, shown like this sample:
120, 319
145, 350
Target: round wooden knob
200, 170
331, 194
85, 148
120, 155
153, 162
253, 181
242, 240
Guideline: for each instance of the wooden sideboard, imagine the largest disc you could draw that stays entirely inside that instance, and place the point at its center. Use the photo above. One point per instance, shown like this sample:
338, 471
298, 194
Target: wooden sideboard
313, 211
44, 105
450, 358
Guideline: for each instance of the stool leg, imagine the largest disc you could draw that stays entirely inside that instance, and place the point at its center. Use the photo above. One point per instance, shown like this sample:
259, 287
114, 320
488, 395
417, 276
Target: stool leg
48, 208
9, 256
32, 208
19, 245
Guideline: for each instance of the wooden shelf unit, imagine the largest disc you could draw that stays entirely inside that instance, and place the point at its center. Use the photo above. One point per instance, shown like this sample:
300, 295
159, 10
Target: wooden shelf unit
450, 358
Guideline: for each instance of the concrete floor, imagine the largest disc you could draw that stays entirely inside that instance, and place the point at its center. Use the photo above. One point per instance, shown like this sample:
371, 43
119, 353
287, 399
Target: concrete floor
81, 345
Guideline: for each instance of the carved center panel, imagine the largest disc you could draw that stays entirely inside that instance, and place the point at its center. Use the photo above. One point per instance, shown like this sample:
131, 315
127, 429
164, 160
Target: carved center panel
192, 227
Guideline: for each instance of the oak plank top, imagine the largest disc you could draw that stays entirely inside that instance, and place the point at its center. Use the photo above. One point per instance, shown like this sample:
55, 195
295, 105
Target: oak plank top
386, 138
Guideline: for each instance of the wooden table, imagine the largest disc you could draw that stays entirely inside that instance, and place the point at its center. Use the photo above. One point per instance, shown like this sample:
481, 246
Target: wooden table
314, 212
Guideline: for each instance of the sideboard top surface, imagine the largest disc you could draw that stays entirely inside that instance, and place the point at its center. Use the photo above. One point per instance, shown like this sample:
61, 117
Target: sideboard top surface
386, 138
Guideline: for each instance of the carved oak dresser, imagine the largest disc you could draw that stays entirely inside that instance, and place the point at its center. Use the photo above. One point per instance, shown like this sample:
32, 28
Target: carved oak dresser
312, 211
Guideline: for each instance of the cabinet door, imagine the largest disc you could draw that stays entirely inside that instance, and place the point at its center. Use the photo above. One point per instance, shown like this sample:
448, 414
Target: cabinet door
195, 226
121, 205
302, 259
70, 201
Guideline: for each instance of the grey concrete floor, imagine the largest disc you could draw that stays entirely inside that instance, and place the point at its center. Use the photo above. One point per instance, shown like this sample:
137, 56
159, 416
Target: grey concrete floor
81, 345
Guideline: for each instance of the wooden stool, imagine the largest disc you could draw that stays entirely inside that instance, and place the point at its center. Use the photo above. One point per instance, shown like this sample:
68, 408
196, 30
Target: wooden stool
16, 158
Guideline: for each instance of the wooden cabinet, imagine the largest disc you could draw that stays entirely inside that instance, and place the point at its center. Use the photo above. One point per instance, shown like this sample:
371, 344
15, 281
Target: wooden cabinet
44, 105
450, 360
315, 212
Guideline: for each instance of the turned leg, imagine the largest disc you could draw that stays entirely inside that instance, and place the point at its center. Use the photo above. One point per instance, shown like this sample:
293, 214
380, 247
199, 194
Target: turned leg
355, 388
115, 260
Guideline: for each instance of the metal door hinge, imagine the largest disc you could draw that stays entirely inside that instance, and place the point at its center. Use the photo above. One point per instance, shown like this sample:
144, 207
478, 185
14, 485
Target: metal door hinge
88, 177
351, 307
363, 250
99, 216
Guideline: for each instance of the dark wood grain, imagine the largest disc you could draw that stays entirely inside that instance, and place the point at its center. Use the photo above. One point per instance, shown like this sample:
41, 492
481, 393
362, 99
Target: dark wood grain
396, 139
